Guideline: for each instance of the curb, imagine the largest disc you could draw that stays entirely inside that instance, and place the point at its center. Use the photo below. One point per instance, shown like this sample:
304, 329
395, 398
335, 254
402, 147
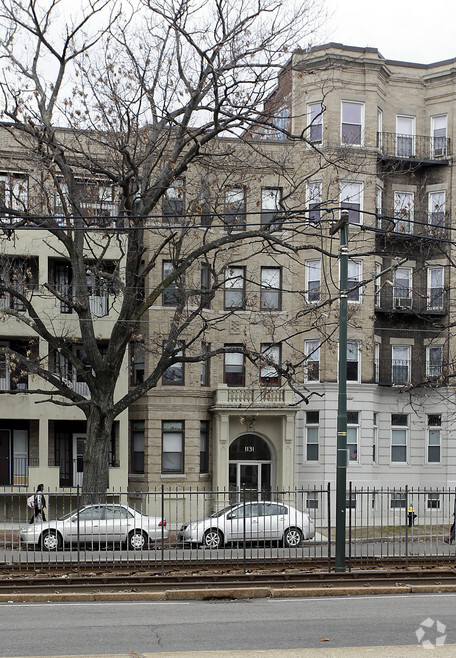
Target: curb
231, 594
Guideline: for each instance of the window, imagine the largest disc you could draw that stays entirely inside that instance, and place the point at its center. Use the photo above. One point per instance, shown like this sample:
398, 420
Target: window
374, 437
171, 292
435, 289
269, 375
313, 281
315, 121
205, 364
206, 294
405, 136
379, 205
350, 500
234, 288
137, 446
434, 426
353, 281
281, 121
271, 285
353, 369
434, 360
401, 365
234, 216
314, 201
312, 499
174, 374
398, 500
13, 193
352, 435
172, 446
377, 284
351, 200
402, 289
379, 128
352, 123
433, 501
98, 287
439, 136
173, 203
312, 360
204, 446
436, 209
403, 211
312, 424
399, 431
63, 284
137, 366
270, 207
376, 362
234, 374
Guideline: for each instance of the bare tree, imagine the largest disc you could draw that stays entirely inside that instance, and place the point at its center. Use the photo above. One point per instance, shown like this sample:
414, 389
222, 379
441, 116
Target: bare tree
108, 112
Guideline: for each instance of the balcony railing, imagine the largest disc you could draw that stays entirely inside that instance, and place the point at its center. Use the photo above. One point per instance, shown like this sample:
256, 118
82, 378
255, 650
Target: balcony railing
253, 396
407, 222
413, 148
400, 299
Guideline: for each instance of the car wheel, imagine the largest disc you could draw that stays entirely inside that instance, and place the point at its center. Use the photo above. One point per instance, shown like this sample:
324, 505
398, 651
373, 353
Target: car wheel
137, 540
51, 541
292, 537
213, 538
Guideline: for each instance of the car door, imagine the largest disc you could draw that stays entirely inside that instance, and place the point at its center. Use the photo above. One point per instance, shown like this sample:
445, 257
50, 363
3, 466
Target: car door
90, 525
244, 521
274, 520
116, 519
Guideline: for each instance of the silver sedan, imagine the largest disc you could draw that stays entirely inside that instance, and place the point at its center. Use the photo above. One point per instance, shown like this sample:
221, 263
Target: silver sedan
96, 524
253, 521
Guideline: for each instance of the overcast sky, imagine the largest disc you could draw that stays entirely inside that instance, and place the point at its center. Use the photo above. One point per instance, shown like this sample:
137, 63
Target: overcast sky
415, 31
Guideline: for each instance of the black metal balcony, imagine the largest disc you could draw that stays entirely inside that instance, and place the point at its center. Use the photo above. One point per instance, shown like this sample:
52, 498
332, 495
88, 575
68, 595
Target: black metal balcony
405, 223
421, 301
413, 149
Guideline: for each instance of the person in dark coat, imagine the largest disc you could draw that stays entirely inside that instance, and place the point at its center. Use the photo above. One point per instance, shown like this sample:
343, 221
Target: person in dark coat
39, 503
451, 538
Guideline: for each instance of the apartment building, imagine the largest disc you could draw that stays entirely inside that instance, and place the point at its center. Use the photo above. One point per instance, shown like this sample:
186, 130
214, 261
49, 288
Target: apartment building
351, 130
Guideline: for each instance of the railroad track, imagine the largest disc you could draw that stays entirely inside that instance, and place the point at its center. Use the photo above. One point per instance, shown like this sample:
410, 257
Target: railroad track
148, 581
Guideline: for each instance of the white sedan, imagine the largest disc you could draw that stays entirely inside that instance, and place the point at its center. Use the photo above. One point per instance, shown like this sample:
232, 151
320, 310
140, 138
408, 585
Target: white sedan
96, 524
253, 521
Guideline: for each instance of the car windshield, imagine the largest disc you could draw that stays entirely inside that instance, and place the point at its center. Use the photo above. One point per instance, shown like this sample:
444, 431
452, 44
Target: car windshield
223, 511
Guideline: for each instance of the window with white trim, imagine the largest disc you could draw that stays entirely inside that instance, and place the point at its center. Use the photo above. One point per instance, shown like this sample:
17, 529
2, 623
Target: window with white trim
314, 201
352, 435
402, 289
379, 205
399, 436
401, 365
172, 446
375, 437
234, 367
434, 360
439, 136
137, 446
353, 280
434, 438
173, 203
351, 196
271, 198
376, 362
312, 426
433, 501
174, 374
315, 122
312, 348
271, 284
377, 284
405, 136
352, 128
436, 208
313, 281
379, 128
234, 213
353, 361
403, 211
235, 288
269, 375
435, 289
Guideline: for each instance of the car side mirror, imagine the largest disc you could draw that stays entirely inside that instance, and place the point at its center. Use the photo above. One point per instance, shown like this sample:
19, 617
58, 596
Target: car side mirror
229, 517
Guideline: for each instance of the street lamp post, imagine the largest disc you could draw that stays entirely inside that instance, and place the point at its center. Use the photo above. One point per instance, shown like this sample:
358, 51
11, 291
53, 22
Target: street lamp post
341, 459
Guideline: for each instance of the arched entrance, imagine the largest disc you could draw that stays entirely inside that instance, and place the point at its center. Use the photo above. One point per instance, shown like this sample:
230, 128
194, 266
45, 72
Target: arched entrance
251, 468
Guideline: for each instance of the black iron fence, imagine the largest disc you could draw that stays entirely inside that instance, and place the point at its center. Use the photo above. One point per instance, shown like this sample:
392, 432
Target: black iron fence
166, 527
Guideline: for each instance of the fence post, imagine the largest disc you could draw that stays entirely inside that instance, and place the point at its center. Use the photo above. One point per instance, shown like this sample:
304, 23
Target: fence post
243, 531
77, 531
350, 526
406, 526
329, 525
162, 529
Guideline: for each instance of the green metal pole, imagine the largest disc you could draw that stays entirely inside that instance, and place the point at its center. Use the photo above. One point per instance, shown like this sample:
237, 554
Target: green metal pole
341, 459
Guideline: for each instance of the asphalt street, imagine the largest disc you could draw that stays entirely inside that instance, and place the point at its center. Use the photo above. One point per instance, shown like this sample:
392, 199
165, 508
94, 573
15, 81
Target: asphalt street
241, 627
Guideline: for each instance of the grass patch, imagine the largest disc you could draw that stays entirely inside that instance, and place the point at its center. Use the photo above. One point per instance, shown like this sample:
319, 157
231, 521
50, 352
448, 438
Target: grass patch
438, 531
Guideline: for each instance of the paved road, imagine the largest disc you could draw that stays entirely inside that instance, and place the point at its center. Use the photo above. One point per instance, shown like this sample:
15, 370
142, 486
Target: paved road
229, 626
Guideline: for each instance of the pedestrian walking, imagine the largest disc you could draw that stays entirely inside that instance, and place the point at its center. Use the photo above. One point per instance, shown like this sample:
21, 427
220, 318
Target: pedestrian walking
451, 537
38, 502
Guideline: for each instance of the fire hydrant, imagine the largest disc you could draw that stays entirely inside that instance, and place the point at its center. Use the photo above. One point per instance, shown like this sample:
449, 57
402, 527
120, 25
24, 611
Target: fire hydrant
411, 516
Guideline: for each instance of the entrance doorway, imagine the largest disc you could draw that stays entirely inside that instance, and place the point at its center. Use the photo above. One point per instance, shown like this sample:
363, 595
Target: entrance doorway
251, 468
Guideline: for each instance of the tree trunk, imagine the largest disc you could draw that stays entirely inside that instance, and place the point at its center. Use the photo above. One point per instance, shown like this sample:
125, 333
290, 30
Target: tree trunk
96, 456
